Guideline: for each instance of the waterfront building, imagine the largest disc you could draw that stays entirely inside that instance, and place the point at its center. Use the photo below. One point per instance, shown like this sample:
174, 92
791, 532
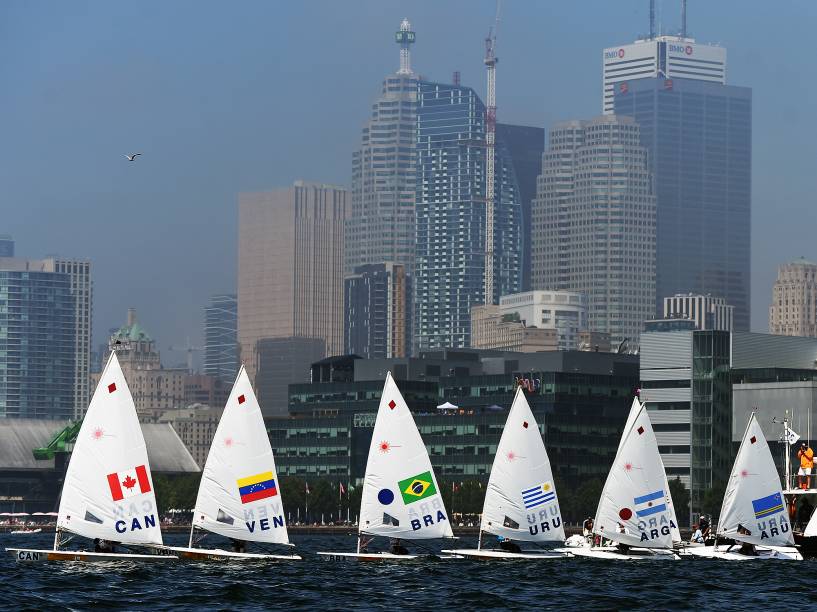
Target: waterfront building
668, 57
450, 220
687, 380
38, 341
377, 321
699, 138
491, 329
381, 224
565, 312
706, 311
282, 362
220, 338
195, 425
794, 300
290, 267
594, 223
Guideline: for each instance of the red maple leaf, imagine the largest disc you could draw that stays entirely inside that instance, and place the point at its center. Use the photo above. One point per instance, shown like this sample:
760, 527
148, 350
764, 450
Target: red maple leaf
129, 482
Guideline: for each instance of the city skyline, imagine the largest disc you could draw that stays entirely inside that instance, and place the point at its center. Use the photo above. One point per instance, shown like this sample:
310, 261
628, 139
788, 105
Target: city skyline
161, 232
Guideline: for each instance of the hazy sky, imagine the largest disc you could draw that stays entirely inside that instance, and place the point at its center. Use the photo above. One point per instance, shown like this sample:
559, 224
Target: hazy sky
240, 96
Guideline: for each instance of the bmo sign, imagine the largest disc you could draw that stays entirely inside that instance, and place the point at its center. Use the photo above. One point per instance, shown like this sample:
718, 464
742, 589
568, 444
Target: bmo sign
614, 54
685, 49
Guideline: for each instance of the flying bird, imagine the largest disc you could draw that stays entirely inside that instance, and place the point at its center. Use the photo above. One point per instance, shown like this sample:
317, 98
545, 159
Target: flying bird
132, 157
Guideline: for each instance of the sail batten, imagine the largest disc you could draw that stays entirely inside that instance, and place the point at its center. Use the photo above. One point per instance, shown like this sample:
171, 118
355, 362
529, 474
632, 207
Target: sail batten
239, 495
754, 508
108, 489
636, 506
401, 497
520, 500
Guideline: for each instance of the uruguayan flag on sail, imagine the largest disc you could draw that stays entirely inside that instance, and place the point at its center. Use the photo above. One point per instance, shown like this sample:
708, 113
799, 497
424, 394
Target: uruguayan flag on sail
651, 503
538, 495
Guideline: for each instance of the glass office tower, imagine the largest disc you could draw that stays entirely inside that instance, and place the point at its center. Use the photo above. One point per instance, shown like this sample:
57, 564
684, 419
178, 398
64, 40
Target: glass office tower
450, 216
699, 136
221, 338
37, 344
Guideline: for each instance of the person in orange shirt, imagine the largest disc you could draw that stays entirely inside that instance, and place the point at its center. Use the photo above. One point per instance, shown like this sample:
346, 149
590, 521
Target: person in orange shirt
806, 456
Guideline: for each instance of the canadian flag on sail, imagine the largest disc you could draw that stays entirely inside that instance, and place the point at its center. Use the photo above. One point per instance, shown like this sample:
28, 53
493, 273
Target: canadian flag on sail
128, 483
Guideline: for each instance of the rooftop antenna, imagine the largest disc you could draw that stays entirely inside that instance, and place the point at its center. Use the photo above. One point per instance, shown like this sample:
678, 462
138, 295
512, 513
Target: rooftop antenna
652, 19
490, 149
405, 38
683, 18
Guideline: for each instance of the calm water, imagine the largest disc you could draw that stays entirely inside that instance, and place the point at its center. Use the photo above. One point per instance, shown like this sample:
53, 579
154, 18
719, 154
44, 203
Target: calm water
452, 585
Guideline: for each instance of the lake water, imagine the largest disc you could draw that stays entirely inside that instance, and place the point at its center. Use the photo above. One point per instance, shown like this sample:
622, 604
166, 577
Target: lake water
451, 585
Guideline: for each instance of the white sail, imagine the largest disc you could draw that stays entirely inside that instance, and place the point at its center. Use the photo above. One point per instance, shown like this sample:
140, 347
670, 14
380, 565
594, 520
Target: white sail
521, 502
635, 408
239, 495
635, 506
811, 528
108, 489
401, 497
754, 509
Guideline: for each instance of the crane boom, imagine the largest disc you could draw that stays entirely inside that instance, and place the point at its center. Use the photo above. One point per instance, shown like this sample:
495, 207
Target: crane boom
490, 157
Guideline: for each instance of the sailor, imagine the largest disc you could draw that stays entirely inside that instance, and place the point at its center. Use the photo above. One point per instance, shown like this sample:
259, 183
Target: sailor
239, 546
806, 456
703, 525
587, 527
101, 546
508, 545
397, 548
698, 535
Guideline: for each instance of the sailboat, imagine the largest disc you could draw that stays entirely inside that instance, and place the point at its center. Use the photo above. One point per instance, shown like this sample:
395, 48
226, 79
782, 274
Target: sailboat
754, 509
401, 498
239, 494
635, 510
108, 490
520, 500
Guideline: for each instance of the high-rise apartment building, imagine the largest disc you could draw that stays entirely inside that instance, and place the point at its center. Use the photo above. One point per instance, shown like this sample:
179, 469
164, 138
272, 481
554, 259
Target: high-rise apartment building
594, 223
450, 216
565, 312
290, 267
38, 341
220, 338
667, 57
378, 311
699, 138
491, 329
794, 300
6, 246
381, 224
706, 311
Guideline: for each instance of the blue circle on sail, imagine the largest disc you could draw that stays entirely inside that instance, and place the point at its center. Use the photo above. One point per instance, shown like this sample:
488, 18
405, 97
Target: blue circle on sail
385, 497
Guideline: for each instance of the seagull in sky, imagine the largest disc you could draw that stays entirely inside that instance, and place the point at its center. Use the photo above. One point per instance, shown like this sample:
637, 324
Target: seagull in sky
133, 157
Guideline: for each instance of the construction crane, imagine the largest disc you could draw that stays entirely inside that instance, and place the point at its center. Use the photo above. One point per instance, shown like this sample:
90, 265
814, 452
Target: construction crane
490, 155
189, 349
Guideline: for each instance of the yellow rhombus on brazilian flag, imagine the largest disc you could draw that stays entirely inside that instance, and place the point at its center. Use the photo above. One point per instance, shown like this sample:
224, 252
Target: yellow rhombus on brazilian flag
417, 487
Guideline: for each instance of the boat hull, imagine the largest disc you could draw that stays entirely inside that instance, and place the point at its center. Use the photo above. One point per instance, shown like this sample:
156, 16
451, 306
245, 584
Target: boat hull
379, 556
216, 554
30, 555
488, 554
781, 553
613, 553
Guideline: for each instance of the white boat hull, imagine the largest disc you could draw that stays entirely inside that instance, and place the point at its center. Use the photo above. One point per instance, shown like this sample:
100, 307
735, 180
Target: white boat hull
613, 553
377, 556
488, 554
30, 555
782, 553
217, 554
22, 531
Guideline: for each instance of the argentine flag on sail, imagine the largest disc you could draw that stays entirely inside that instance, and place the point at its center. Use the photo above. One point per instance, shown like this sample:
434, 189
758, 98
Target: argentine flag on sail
651, 503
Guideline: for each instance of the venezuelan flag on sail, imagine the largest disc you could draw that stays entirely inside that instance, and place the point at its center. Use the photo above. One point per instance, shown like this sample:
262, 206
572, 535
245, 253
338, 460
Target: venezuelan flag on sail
260, 486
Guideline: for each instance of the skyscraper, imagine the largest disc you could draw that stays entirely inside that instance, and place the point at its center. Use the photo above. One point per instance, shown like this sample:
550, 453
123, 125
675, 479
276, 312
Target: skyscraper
450, 216
378, 311
220, 338
668, 57
38, 339
380, 227
794, 300
594, 223
699, 138
6, 246
290, 267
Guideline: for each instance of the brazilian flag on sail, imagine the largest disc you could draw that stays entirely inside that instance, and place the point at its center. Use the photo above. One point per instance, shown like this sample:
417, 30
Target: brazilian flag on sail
417, 487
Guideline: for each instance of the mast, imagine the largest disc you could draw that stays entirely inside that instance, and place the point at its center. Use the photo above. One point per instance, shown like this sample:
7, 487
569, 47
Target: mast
405, 38
490, 153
